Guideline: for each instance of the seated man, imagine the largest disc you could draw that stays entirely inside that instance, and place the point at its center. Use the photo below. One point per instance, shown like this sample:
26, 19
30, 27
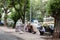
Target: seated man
51, 29
30, 28
19, 27
42, 30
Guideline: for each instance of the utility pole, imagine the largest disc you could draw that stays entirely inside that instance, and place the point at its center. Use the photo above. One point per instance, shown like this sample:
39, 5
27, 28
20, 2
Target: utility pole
30, 10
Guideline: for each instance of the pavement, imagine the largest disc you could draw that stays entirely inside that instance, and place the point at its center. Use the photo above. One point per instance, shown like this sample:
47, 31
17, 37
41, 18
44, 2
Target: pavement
7, 36
24, 36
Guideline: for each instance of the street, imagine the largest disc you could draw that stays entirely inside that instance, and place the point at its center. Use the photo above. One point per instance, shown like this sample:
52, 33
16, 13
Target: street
7, 36
10, 34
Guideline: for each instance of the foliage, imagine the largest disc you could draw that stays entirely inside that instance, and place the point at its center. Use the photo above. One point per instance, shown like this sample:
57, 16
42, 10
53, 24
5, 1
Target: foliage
10, 22
14, 16
35, 7
5, 4
21, 7
1, 11
38, 9
53, 7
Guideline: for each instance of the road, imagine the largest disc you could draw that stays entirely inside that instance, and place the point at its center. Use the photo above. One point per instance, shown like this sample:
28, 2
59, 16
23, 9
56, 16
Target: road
10, 34
7, 36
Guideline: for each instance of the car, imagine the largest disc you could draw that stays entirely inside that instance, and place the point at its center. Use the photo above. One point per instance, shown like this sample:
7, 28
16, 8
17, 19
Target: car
1, 23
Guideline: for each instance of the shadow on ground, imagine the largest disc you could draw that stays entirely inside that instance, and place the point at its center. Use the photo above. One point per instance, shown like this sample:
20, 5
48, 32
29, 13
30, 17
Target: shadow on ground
46, 37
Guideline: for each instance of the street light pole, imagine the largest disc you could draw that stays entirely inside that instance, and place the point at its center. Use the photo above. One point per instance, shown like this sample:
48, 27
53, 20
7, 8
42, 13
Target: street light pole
30, 10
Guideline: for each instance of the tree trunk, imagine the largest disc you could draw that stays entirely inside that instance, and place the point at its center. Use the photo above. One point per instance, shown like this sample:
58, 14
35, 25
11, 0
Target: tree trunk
57, 27
5, 17
0, 18
14, 25
5, 20
23, 18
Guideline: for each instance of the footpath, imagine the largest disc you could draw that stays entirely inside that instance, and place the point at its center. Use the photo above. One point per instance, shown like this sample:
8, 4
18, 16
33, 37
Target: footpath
25, 35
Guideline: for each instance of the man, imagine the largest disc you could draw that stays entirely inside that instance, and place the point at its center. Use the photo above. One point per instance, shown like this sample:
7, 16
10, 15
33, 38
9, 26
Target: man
42, 30
19, 27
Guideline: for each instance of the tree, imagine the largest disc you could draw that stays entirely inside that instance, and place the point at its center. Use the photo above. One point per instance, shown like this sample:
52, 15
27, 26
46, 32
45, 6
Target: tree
35, 9
38, 9
53, 8
1, 11
21, 7
14, 16
5, 5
